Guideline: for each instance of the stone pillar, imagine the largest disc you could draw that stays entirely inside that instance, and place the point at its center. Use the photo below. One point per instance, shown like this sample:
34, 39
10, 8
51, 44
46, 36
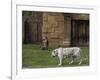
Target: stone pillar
53, 28
67, 30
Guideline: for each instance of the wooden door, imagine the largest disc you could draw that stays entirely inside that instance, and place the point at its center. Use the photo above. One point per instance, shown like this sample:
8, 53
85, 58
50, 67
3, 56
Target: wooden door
80, 33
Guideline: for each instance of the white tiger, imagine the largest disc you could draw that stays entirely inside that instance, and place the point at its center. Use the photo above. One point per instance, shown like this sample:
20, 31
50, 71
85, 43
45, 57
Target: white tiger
72, 52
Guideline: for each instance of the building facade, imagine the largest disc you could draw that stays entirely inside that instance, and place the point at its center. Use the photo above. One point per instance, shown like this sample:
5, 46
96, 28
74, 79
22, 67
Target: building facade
65, 29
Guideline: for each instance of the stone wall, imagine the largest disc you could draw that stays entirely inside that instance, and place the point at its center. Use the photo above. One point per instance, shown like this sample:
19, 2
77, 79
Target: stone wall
56, 29
55, 26
80, 16
34, 27
67, 30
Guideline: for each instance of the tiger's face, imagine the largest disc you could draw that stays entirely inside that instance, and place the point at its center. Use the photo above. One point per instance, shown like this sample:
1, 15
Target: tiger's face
54, 53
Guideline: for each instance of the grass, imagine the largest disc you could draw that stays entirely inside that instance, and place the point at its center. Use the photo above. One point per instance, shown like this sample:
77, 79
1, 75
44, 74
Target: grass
34, 57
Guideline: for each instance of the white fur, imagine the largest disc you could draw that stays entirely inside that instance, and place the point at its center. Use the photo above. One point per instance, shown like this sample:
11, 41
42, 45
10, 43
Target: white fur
73, 52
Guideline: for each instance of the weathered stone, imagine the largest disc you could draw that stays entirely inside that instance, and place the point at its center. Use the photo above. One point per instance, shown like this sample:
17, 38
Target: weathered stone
80, 16
55, 26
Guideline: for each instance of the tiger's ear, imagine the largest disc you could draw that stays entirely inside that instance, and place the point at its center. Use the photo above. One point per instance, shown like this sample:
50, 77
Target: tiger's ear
56, 51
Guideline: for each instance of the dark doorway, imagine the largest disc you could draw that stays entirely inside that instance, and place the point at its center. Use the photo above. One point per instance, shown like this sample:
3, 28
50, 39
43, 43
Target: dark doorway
27, 32
80, 33
37, 32
32, 32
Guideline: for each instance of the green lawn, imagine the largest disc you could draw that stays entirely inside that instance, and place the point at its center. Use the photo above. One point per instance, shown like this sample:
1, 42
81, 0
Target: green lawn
34, 57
